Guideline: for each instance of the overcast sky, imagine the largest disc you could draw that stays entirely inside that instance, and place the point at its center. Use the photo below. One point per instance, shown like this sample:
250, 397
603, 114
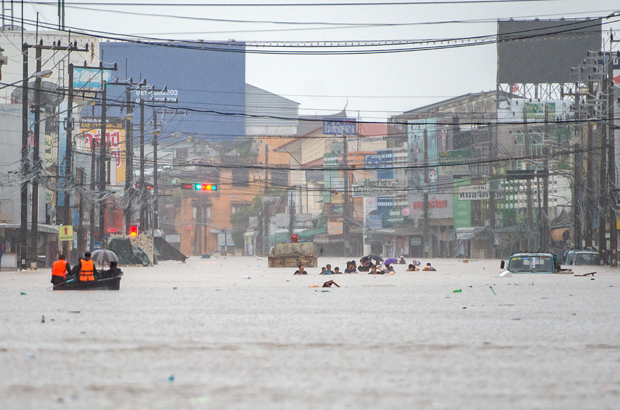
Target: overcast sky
376, 85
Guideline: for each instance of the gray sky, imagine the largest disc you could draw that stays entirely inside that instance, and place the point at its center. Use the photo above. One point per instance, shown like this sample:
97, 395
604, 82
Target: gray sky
375, 85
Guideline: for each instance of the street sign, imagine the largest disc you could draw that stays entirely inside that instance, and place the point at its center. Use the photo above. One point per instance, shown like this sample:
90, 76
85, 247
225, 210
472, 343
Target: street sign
65, 233
97, 245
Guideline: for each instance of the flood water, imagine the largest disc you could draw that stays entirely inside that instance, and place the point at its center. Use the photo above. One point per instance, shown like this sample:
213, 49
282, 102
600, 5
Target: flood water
234, 334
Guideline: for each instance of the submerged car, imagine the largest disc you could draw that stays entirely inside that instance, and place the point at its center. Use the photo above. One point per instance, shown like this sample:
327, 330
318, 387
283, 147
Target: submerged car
582, 258
533, 262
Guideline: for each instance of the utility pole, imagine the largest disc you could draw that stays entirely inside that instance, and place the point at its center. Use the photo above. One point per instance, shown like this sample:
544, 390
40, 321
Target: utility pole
34, 229
155, 198
528, 183
577, 191
589, 191
225, 241
128, 162
613, 231
23, 234
544, 245
265, 227
80, 180
93, 175
603, 191
345, 209
102, 159
68, 164
425, 195
492, 187
143, 227
291, 214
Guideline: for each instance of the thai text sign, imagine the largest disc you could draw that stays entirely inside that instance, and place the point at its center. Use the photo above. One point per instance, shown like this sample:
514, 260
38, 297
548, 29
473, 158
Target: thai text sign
90, 127
375, 188
339, 126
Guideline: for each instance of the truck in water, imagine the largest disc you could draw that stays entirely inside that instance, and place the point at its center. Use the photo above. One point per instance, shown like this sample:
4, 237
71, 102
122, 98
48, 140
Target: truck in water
533, 262
293, 254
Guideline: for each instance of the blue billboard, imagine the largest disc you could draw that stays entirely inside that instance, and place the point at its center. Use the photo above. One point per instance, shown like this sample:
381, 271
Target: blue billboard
416, 149
206, 80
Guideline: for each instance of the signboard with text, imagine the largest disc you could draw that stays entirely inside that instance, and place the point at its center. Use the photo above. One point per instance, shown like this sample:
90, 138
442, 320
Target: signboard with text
90, 127
339, 126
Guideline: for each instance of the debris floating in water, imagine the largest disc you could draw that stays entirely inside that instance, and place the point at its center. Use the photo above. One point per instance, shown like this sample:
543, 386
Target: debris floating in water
493, 290
457, 291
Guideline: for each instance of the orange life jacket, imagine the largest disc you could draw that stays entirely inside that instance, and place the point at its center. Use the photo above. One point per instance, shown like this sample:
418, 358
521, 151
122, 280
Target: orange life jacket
87, 273
59, 268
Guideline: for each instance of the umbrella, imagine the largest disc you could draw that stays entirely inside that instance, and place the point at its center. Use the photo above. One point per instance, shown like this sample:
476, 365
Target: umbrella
364, 259
375, 257
104, 255
390, 261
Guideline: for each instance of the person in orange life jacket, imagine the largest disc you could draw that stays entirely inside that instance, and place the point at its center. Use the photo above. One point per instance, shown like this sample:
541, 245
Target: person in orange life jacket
85, 269
60, 269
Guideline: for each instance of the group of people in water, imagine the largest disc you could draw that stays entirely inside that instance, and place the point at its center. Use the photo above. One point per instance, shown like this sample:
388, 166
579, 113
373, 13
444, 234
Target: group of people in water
84, 271
366, 265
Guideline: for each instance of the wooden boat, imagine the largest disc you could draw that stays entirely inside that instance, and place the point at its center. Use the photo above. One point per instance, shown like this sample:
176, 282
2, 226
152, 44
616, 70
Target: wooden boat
100, 284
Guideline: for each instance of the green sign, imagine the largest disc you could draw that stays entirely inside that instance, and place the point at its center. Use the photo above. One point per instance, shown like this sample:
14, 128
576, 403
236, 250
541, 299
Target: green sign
536, 111
395, 215
457, 156
462, 209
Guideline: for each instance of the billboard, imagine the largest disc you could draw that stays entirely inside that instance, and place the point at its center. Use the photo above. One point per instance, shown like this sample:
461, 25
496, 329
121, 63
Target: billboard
462, 209
206, 79
383, 161
439, 205
339, 126
416, 149
90, 77
543, 51
90, 128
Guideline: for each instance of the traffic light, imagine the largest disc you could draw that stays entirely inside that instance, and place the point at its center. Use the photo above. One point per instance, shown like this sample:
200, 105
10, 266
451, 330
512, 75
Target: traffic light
133, 230
199, 186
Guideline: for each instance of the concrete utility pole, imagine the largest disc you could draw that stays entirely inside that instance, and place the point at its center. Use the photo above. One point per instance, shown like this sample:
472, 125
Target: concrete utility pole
143, 226
265, 227
427, 248
613, 231
93, 177
102, 158
23, 234
528, 183
155, 201
603, 196
576, 193
68, 164
544, 237
128, 161
589, 191
345, 208
34, 230
492, 186
80, 243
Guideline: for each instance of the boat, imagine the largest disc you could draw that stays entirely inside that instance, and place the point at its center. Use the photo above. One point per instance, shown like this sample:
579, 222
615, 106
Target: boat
99, 284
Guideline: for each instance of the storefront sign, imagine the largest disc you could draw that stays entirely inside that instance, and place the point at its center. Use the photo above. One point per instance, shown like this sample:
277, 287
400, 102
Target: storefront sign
90, 127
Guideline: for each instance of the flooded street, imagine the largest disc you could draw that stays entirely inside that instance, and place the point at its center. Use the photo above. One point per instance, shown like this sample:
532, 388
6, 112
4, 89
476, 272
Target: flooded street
231, 333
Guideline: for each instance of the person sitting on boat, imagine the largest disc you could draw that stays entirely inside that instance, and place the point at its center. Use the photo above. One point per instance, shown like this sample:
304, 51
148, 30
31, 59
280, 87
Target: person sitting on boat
300, 270
402, 260
389, 269
329, 270
412, 268
85, 269
113, 272
428, 267
337, 271
323, 271
60, 269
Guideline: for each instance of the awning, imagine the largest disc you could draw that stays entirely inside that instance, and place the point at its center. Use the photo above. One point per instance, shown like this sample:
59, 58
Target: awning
43, 228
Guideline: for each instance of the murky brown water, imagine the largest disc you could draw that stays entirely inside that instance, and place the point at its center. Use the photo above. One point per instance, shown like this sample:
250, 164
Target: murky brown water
223, 340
